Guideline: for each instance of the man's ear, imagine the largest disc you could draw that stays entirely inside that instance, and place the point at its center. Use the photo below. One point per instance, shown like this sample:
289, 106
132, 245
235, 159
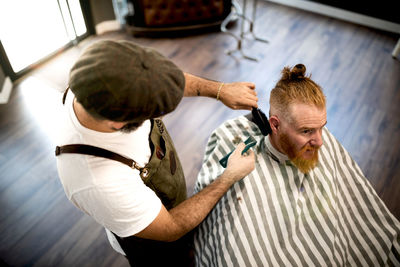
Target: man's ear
275, 123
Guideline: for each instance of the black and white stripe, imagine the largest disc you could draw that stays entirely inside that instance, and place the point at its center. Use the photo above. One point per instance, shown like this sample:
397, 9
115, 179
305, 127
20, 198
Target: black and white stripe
277, 216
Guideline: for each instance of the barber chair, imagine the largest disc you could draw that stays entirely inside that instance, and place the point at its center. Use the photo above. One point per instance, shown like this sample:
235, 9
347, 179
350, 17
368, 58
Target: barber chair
161, 16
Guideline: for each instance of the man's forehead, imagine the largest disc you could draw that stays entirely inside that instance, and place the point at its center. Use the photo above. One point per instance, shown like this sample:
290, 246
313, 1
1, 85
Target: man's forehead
307, 116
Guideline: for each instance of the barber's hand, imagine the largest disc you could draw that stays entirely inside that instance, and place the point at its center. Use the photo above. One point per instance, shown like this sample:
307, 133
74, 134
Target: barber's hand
239, 95
239, 165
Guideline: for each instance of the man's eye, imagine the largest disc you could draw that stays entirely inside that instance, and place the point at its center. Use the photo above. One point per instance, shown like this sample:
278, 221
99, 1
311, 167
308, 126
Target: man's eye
307, 131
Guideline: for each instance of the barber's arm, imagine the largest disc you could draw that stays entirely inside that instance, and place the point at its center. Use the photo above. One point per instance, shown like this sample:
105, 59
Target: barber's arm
175, 223
236, 95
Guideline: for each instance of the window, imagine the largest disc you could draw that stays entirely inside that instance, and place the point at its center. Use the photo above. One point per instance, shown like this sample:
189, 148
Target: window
32, 30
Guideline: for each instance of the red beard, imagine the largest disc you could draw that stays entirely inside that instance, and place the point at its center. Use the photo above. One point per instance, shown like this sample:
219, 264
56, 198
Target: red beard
305, 165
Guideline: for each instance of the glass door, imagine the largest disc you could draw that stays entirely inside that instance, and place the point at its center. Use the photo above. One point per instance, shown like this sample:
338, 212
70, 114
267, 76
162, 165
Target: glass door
33, 30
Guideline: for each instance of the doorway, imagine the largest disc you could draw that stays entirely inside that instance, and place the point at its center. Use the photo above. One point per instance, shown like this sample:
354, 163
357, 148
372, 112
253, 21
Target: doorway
32, 31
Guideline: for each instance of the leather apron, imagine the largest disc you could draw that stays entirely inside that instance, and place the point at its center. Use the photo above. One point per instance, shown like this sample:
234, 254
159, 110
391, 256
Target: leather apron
166, 178
164, 175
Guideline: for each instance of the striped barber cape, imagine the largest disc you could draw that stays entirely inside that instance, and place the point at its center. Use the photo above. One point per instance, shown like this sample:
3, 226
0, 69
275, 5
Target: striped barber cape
277, 216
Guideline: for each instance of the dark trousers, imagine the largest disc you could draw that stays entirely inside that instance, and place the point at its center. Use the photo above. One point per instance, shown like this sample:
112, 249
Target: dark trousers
144, 252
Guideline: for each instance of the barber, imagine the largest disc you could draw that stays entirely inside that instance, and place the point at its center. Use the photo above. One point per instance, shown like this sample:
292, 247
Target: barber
117, 162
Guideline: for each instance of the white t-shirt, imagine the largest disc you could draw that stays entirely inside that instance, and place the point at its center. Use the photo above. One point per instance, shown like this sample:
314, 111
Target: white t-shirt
110, 192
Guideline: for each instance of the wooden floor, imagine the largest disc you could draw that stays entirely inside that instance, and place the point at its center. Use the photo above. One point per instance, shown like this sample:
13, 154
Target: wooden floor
39, 227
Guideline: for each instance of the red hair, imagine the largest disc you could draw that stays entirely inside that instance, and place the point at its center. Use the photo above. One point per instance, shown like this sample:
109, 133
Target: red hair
295, 87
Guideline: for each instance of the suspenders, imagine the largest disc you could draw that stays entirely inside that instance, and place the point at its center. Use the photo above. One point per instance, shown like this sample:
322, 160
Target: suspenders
100, 152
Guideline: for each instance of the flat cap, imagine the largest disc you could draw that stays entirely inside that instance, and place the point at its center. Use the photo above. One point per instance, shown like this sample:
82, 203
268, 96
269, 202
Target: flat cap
123, 81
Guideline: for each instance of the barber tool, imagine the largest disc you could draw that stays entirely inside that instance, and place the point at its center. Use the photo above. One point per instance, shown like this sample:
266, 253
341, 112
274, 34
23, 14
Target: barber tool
259, 118
249, 143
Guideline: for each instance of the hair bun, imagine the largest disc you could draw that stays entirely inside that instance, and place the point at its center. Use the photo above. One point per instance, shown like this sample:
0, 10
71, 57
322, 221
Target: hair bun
298, 72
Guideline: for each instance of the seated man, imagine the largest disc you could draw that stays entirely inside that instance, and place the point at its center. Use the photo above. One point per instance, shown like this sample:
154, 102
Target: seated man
307, 203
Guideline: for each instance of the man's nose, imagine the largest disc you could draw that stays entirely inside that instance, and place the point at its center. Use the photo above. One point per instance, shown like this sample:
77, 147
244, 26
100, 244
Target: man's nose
317, 139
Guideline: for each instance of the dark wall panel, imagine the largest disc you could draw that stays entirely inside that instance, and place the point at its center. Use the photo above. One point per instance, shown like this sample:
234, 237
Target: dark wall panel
383, 9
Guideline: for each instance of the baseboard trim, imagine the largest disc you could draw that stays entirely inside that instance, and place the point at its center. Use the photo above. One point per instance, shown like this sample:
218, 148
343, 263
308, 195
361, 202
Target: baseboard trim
6, 91
341, 14
108, 25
